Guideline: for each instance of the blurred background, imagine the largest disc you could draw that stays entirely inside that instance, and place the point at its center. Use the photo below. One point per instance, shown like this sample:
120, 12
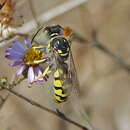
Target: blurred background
104, 84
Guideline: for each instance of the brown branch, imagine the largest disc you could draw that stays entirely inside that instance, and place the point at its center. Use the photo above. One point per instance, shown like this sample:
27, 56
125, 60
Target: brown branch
58, 113
31, 6
3, 100
101, 47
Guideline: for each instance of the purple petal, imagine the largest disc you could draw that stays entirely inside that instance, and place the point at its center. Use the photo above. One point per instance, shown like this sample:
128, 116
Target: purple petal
30, 75
9, 48
11, 51
27, 42
14, 49
14, 57
36, 69
15, 63
18, 47
20, 70
18, 50
38, 72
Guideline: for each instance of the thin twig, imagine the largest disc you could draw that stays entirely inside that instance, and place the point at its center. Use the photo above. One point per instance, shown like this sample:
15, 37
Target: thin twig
32, 10
102, 48
58, 113
51, 14
15, 83
3, 100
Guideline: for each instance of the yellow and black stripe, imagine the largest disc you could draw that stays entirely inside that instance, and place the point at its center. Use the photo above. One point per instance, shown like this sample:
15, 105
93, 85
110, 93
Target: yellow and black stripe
61, 45
60, 91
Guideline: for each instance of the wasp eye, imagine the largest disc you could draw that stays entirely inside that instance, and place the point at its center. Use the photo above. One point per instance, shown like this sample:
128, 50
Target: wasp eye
1, 6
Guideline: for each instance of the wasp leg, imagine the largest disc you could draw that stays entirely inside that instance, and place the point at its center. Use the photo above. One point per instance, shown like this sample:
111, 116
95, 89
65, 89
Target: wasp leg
36, 62
45, 73
39, 61
38, 47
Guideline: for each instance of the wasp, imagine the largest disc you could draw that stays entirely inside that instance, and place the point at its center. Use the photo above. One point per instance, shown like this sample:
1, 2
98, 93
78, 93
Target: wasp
9, 19
61, 64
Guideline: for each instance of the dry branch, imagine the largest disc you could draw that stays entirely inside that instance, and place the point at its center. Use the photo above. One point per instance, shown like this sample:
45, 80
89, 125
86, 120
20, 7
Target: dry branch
96, 43
57, 113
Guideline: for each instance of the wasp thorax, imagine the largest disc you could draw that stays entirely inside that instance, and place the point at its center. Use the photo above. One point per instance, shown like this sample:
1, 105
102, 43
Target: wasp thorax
33, 55
61, 45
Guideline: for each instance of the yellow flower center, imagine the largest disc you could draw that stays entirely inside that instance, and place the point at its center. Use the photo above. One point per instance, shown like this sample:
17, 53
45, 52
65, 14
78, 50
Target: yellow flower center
32, 56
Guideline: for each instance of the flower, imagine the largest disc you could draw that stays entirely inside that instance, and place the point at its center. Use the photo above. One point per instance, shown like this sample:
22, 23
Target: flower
27, 58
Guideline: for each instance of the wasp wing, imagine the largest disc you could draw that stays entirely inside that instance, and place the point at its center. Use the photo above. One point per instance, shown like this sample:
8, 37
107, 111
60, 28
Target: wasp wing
73, 73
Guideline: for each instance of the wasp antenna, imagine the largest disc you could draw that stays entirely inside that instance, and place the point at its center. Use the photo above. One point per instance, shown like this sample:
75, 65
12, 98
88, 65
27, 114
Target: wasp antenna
37, 33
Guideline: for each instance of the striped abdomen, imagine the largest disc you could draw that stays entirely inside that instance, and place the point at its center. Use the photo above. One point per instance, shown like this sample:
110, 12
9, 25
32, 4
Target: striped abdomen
60, 91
